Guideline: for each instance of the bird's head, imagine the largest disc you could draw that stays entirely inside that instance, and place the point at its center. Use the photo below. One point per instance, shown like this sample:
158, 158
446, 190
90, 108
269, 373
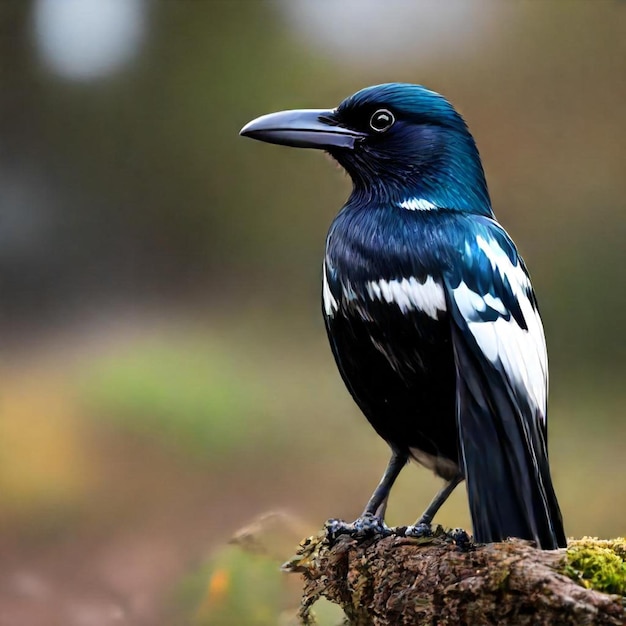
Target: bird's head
400, 143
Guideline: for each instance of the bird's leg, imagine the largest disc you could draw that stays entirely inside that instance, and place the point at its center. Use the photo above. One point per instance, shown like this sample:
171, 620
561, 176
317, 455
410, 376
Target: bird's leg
377, 504
371, 521
422, 526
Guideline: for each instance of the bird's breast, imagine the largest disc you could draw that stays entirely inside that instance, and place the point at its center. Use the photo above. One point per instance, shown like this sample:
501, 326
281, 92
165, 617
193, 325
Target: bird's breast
386, 315
373, 260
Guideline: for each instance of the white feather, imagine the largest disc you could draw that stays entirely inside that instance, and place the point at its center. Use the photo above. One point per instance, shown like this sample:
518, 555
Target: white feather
417, 204
373, 290
410, 295
521, 353
330, 304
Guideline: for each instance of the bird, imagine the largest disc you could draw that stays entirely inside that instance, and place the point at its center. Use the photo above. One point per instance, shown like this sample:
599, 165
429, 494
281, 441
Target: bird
429, 308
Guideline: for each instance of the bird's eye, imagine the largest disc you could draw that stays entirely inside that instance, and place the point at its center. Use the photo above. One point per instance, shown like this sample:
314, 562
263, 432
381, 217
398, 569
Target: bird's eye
382, 120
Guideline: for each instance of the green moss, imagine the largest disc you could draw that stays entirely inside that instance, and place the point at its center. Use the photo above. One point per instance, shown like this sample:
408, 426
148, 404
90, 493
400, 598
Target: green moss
598, 564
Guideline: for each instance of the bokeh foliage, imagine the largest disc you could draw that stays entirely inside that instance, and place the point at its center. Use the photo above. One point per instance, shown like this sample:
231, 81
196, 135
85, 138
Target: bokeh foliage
166, 371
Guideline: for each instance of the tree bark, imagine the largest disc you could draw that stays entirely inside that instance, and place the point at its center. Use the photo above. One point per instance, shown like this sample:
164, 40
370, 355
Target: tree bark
399, 580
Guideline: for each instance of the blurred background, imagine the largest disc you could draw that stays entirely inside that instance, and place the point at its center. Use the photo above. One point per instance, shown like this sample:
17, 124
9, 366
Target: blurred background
165, 372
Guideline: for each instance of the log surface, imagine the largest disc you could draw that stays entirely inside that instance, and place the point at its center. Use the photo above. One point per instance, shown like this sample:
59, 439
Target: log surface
401, 580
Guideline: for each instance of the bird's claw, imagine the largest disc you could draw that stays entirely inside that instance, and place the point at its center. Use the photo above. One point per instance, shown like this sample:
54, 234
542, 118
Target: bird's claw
369, 526
461, 539
419, 530
363, 527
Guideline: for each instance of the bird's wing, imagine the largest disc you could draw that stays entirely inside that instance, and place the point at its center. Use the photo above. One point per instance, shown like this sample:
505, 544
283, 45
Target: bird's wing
502, 378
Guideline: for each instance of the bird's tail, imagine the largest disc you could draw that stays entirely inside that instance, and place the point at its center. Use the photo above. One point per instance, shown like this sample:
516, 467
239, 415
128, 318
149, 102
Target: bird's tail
505, 460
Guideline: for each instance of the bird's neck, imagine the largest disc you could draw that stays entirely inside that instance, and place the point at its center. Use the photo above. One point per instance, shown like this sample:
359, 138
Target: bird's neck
451, 178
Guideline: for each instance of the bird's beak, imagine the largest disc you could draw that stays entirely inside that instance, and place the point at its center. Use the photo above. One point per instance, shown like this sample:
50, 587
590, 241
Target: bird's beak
303, 128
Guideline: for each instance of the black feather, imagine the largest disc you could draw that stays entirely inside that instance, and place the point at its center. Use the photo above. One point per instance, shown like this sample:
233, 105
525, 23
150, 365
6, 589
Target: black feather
503, 452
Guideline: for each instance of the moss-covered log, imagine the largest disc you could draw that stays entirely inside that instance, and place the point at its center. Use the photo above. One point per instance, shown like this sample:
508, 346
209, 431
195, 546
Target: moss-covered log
401, 580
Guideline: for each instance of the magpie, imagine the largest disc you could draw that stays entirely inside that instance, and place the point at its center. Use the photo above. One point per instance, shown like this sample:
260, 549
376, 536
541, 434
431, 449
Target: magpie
429, 308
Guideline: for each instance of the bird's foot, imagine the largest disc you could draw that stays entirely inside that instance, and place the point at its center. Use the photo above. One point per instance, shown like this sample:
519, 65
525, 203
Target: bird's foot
419, 530
369, 526
365, 527
461, 539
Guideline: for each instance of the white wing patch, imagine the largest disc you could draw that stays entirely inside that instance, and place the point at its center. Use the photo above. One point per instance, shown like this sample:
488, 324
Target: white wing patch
410, 295
417, 204
330, 304
519, 352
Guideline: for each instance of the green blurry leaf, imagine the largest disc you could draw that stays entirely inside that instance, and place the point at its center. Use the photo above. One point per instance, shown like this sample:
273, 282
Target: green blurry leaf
190, 395
235, 587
